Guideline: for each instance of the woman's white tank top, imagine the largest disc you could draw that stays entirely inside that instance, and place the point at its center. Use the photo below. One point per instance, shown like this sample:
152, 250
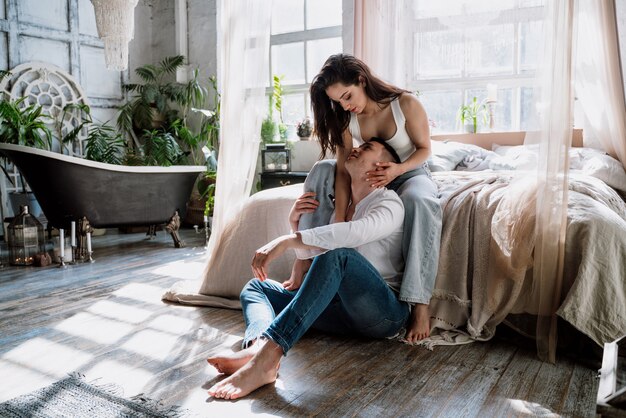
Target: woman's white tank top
400, 141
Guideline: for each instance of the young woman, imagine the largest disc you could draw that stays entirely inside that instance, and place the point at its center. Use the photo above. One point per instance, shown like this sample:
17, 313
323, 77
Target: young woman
350, 106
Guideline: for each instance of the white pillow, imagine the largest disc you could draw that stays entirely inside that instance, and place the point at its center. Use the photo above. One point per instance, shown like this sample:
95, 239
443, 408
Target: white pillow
445, 155
598, 164
514, 157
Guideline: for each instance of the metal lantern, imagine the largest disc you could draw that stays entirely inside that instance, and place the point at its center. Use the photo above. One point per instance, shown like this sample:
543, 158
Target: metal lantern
25, 237
275, 157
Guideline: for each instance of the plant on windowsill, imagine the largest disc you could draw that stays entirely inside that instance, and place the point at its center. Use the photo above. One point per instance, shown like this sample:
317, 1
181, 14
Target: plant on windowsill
304, 129
469, 115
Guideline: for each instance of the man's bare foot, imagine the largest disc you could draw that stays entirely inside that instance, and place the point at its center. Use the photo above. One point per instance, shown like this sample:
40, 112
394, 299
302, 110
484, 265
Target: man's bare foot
419, 327
259, 371
230, 362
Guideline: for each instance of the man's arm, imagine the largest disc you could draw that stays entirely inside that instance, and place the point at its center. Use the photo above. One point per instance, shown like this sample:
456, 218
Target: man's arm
381, 219
273, 249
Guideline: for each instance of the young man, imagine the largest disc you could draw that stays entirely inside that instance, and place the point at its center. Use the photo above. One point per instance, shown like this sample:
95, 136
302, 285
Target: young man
351, 286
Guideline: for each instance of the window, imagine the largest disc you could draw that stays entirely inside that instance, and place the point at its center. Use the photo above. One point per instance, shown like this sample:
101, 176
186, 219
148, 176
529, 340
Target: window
303, 34
460, 47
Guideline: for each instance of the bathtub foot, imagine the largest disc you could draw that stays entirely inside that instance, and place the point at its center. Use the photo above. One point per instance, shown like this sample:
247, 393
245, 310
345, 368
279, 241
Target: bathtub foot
172, 228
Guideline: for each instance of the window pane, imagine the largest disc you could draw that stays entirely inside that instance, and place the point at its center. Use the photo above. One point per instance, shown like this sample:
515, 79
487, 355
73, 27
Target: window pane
288, 60
318, 52
528, 114
441, 108
323, 13
293, 108
439, 54
490, 49
287, 16
430, 8
531, 34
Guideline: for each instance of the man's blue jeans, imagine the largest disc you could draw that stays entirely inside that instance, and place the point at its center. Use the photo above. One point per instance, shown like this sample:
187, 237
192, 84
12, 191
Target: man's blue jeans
341, 293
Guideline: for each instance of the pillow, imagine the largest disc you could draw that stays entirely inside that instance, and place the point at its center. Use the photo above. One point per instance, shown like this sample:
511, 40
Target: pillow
514, 157
263, 217
599, 164
445, 155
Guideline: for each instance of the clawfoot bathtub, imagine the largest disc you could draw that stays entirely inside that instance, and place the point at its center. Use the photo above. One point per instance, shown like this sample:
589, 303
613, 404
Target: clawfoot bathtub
68, 188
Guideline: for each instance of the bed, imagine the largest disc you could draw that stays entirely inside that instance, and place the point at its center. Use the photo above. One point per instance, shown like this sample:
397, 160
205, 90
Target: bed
474, 290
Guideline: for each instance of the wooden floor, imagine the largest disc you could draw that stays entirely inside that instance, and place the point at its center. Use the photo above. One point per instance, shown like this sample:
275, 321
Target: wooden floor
107, 321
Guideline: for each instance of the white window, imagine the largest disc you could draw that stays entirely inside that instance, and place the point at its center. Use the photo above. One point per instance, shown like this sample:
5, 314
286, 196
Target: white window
460, 47
304, 34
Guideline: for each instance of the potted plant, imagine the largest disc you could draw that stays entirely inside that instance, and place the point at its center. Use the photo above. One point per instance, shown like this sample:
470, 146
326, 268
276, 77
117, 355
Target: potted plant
468, 115
23, 125
304, 129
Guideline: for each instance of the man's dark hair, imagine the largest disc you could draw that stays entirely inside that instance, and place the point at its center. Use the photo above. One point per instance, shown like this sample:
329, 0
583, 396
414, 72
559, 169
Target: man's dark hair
389, 148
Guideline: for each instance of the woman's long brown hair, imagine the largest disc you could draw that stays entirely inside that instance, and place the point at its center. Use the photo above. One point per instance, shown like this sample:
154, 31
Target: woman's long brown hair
329, 118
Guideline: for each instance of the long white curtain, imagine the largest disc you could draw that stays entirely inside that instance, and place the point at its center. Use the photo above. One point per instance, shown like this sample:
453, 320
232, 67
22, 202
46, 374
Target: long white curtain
599, 87
243, 72
382, 40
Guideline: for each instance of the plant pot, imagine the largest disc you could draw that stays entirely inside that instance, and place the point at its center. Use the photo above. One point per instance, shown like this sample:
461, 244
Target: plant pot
469, 128
304, 138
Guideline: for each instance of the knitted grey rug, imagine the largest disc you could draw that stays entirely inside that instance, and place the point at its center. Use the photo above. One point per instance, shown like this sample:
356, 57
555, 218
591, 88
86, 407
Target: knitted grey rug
73, 397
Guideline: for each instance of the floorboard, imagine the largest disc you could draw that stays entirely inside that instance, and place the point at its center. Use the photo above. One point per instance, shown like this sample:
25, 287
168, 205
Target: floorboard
106, 320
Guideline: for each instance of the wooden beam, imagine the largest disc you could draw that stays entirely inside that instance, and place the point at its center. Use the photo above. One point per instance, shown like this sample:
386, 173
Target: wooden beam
487, 139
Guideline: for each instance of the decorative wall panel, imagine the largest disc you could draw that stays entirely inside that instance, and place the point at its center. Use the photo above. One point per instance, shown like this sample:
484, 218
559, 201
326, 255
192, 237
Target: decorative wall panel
86, 18
48, 13
4, 51
39, 49
95, 78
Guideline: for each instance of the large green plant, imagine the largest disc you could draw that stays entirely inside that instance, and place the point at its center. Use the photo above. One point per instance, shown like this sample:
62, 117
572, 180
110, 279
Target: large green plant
24, 125
160, 148
104, 144
153, 100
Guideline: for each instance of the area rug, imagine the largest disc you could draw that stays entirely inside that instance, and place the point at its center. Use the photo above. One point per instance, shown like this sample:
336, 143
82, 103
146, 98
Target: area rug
74, 397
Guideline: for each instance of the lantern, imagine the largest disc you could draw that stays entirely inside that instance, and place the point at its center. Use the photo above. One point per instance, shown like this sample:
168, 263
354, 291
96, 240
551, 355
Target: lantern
115, 20
275, 157
25, 238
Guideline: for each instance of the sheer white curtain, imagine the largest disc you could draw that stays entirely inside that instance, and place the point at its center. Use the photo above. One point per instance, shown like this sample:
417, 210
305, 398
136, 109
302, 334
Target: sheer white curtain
383, 40
243, 72
598, 78
382, 37
556, 116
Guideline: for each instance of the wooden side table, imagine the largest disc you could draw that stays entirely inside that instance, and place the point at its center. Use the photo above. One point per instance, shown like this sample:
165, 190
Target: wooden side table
285, 178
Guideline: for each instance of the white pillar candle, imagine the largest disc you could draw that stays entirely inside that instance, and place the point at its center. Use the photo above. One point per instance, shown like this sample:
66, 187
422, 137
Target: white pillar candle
62, 242
73, 236
89, 242
492, 93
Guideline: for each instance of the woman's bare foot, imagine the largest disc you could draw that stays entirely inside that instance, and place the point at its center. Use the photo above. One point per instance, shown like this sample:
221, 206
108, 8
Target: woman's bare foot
230, 362
259, 371
419, 327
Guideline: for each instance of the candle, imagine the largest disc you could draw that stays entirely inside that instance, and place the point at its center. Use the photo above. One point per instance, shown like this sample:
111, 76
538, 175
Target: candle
88, 242
62, 241
492, 93
73, 236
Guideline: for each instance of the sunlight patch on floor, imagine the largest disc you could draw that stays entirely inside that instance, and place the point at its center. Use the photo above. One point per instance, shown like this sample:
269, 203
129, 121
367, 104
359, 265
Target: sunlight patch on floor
142, 292
152, 344
95, 328
120, 311
172, 324
180, 269
531, 408
47, 357
18, 380
132, 379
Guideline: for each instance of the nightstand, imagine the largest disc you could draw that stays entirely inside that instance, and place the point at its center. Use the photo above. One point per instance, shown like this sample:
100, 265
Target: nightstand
285, 178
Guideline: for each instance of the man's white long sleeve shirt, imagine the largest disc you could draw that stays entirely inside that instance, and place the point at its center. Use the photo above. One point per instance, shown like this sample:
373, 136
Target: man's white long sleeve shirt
375, 231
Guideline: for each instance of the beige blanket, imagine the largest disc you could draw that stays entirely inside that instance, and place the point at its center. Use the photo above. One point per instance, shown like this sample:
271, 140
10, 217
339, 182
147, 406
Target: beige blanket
478, 285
